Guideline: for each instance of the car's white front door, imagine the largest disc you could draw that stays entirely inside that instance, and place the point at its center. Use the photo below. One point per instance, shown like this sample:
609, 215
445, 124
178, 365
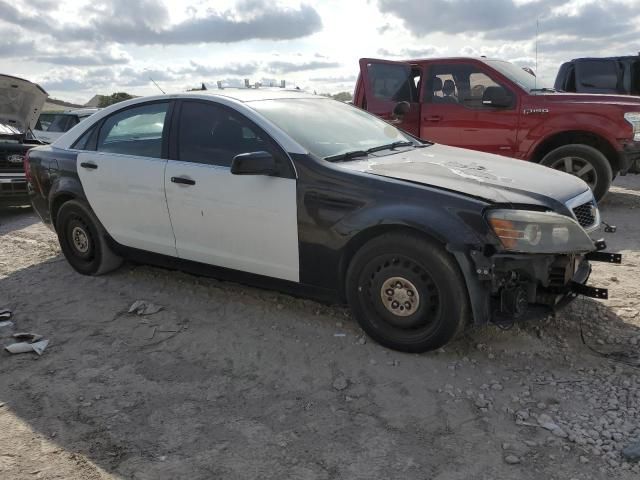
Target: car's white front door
243, 222
123, 179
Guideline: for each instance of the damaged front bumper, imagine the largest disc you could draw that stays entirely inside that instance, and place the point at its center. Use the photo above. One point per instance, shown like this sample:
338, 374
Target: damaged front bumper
510, 285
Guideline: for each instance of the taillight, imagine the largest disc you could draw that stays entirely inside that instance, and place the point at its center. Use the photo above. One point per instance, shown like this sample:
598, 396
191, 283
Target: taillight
27, 167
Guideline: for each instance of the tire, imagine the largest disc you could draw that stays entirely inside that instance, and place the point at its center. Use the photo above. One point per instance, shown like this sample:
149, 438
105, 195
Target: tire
392, 266
82, 240
586, 163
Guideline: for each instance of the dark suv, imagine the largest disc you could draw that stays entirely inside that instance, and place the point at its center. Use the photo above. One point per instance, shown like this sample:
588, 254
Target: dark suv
614, 75
20, 105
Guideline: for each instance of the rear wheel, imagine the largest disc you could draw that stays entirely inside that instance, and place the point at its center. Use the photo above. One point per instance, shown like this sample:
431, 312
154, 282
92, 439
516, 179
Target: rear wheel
407, 293
584, 162
82, 240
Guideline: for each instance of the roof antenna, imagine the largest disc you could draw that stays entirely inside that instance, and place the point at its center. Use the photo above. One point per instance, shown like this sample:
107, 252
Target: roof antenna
535, 82
154, 82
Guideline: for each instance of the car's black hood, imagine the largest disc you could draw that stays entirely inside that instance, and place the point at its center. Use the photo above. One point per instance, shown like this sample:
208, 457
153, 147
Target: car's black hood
491, 177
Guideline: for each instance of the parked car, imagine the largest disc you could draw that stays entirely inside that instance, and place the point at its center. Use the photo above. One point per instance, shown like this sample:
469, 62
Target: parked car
20, 105
51, 125
612, 75
304, 193
497, 107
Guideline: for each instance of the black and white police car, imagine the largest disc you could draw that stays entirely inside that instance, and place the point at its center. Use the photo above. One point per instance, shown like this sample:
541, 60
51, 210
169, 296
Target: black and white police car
303, 193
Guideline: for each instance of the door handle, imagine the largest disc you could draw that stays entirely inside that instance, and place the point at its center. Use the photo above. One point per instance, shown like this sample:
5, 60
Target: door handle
90, 166
183, 181
433, 118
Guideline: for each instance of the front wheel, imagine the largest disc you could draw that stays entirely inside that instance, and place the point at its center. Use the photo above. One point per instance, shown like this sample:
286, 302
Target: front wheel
407, 293
584, 162
82, 240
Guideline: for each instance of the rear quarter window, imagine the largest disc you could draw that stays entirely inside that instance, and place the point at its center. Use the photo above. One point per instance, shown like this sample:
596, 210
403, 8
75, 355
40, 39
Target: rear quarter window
598, 76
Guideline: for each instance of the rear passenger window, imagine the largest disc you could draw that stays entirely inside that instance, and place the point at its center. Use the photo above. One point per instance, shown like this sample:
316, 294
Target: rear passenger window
134, 131
212, 134
598, 75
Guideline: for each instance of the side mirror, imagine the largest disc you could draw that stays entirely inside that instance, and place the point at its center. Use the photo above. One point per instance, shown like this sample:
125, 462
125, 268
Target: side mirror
401, 109
497, 97
254, 163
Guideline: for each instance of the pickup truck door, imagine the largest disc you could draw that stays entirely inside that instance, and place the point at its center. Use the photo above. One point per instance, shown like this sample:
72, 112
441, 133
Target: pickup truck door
388, 83
457, 110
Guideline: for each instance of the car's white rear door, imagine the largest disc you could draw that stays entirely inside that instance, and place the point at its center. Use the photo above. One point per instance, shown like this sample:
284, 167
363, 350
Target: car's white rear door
242, 222
123, 179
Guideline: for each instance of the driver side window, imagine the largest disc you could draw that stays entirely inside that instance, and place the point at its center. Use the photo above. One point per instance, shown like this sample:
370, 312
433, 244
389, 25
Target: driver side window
460, 84
212, 134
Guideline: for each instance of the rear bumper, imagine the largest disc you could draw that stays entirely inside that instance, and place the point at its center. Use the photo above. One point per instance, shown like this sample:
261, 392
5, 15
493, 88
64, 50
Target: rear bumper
629, 158
13, 189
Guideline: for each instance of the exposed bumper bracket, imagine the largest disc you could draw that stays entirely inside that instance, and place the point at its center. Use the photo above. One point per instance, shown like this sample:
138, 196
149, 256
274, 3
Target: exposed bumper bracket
588, 291
604, 257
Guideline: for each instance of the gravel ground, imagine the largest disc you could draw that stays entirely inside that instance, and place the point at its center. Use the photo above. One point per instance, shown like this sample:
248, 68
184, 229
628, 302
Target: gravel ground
238, 383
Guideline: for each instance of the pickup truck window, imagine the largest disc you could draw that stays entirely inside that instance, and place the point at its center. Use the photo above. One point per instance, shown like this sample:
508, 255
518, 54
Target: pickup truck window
459, 84
393, 82
516, 74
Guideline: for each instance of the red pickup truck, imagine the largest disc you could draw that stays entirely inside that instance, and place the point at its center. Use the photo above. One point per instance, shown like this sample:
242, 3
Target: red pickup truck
496, 107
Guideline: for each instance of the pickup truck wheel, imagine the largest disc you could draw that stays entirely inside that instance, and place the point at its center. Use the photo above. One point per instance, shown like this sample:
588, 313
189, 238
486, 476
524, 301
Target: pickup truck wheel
407, 293
82, 240
584, 162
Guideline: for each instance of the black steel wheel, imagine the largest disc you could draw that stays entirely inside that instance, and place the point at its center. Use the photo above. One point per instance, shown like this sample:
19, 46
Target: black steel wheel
407, 293
82, 240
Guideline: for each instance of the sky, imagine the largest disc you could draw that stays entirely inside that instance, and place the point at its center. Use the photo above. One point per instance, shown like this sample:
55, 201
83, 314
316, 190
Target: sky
76, 49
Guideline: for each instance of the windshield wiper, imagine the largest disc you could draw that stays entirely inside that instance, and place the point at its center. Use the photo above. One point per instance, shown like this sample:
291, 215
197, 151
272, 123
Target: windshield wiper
390, 146
544, 89
347, 155
364, 153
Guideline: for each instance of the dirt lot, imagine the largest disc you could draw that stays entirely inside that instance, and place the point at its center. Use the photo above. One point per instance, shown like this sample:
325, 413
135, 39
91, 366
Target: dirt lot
237, 383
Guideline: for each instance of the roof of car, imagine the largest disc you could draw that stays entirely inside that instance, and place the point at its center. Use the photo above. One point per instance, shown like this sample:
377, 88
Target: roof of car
254, 94
72, 111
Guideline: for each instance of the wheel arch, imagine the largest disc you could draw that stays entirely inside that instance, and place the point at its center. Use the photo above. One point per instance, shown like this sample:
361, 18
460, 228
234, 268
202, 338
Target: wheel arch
477, 293
579, 137
57, 201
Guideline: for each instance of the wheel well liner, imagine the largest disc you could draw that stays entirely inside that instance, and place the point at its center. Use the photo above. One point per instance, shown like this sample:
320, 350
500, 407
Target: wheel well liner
577, 137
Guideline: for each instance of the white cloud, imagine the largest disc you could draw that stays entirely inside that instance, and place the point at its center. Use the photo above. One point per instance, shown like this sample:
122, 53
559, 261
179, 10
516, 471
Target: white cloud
82, 47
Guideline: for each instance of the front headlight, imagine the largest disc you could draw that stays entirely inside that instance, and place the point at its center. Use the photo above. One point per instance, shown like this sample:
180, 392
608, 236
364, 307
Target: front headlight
538, 232
634, 119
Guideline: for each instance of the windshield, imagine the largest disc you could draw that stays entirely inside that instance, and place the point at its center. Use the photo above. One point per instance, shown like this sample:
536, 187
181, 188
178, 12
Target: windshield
327, 127
52, 122
517, 75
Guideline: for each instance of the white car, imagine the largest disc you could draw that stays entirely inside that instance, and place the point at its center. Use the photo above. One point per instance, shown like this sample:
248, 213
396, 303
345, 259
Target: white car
51, 125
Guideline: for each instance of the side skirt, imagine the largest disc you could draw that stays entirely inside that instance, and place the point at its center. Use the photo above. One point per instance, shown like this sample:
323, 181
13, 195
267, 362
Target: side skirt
201, 269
